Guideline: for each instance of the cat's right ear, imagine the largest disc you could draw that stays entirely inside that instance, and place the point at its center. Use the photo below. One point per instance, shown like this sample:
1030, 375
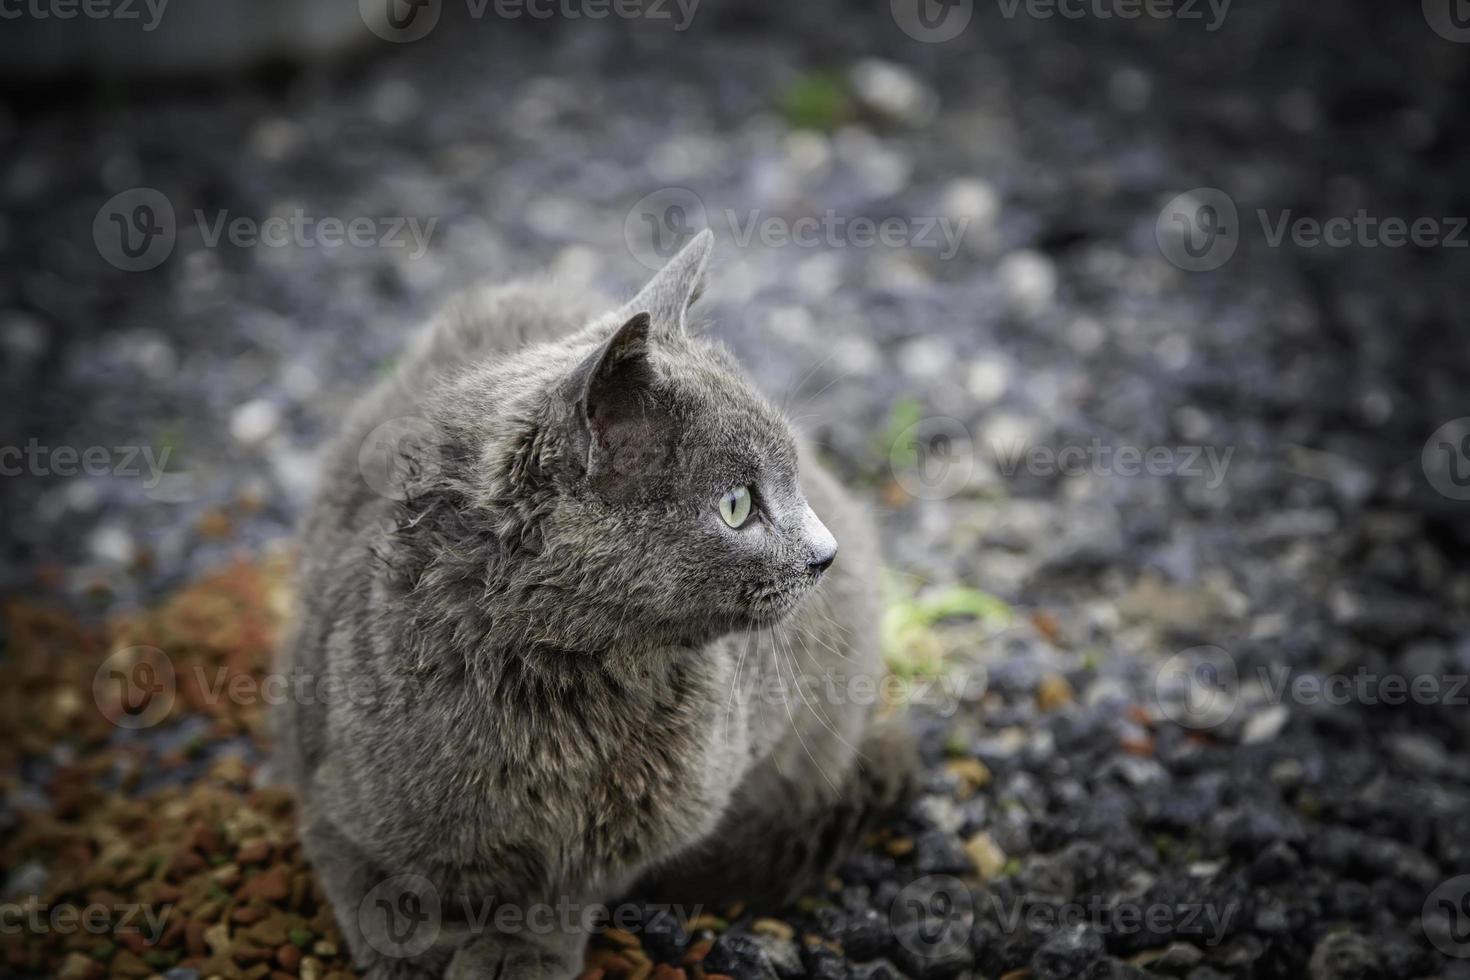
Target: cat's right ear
616, 420
675, 287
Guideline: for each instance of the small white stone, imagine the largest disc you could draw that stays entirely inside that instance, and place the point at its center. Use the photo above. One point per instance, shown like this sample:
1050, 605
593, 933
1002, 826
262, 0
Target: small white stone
973, 200
254, 422
1029, 280
893, 90
1264, 725
987, 380
112, 544
924, 358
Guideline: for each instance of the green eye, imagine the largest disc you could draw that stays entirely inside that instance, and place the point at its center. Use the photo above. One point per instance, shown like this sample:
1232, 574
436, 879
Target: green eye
735, 506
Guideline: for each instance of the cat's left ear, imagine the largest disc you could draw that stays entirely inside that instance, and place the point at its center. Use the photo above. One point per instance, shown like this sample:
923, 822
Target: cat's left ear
676, 286
619, 428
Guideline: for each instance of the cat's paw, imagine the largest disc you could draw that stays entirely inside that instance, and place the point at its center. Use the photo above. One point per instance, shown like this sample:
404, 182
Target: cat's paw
490, 958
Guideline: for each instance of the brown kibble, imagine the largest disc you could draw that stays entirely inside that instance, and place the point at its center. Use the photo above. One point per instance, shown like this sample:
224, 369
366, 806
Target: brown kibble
217, 938
289, 957
697, 952
271, 886
609, 962
1022, 974
205, 839
899, 846
621, 938
186, 862
245, 915
973, 775
78, 966
774, 928
125, 963
253, 851
194, 938
249, 954
1140, 745
1054, 692
226, 875
268, 932
986, 855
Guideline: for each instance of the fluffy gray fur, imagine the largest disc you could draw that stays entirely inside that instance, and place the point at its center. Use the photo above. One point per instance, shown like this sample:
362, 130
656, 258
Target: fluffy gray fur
544, 665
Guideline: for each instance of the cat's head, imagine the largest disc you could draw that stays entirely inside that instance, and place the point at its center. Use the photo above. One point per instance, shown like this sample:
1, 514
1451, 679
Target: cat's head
657, 492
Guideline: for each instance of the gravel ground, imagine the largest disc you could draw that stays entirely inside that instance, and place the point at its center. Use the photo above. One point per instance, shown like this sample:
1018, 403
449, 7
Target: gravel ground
1212, 720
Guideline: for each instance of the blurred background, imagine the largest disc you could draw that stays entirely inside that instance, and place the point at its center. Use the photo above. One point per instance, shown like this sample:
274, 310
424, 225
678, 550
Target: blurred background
1141, 325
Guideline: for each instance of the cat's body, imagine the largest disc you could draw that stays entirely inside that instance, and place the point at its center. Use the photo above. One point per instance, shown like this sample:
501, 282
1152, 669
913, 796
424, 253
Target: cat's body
546, 673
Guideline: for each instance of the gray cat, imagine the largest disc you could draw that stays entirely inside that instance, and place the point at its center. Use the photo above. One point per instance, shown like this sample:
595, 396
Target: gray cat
583, 639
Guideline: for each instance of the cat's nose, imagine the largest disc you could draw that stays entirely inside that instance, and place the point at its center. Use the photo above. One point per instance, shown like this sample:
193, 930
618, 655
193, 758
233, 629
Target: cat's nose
823, 546
822, 560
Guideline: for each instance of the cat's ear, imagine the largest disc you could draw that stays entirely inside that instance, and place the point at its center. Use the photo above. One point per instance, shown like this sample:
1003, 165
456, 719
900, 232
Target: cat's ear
616, 420
676, 286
